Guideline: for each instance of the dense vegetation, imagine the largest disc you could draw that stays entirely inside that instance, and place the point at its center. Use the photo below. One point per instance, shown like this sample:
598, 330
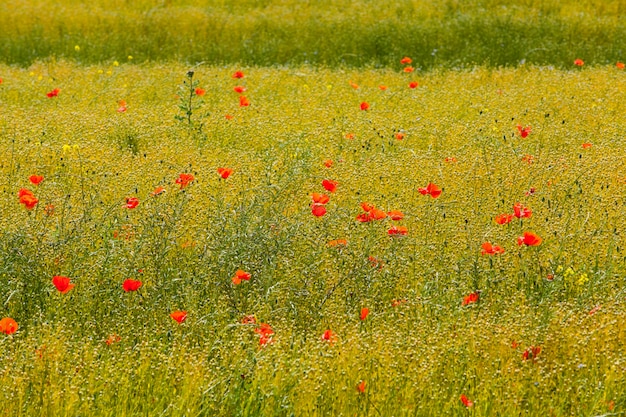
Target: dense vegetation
302, 208
435, 33
419, 348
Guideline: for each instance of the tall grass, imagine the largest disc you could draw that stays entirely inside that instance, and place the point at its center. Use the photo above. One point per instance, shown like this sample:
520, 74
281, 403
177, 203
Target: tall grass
416, 357
436, 33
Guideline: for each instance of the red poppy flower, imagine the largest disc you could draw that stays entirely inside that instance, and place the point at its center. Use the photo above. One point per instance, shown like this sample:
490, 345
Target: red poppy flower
408, 69
531, 353
413, 84
365, 106
529, 239
179, 316
364, 313
397, 230
396, 215
466, 402
523, 131
49, 210
520, 211
353, 85
29, 201
229, 117
238, 74
112, 339
396, 303
27, 198
471, 298
399, 136
320, 198
131, 202
382, 87
249, 319
489, 249
131, 285
200, 91
620, 65
158, 191
62, 284
363, 217
265, 329
53, 93
122, 106
328, 336
239, 89
376, 214
367, 206
594, 310
264, 340
184, 180
504, 218
35, 179
361, 387
350, 136
587, 145
265, 333
328, 163
224, 172
450, 159
515, 344
330, 186
431, 189
530, 192
338, 243
318, 210
375, 263
241, 275
579, 62
8, 326
188, 244
243, 101
406, 60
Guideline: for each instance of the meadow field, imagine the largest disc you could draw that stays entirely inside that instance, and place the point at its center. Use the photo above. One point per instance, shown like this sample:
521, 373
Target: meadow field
436, 33
371, 238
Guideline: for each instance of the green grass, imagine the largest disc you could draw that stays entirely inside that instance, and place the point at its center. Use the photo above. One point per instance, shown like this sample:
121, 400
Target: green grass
417, 358
344, 33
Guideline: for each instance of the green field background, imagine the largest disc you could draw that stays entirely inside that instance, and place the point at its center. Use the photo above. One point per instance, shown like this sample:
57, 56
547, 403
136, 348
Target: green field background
436, 33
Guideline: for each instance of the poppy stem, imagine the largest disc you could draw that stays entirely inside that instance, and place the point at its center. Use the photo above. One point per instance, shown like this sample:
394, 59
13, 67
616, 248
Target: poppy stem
191, 92
373, 406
